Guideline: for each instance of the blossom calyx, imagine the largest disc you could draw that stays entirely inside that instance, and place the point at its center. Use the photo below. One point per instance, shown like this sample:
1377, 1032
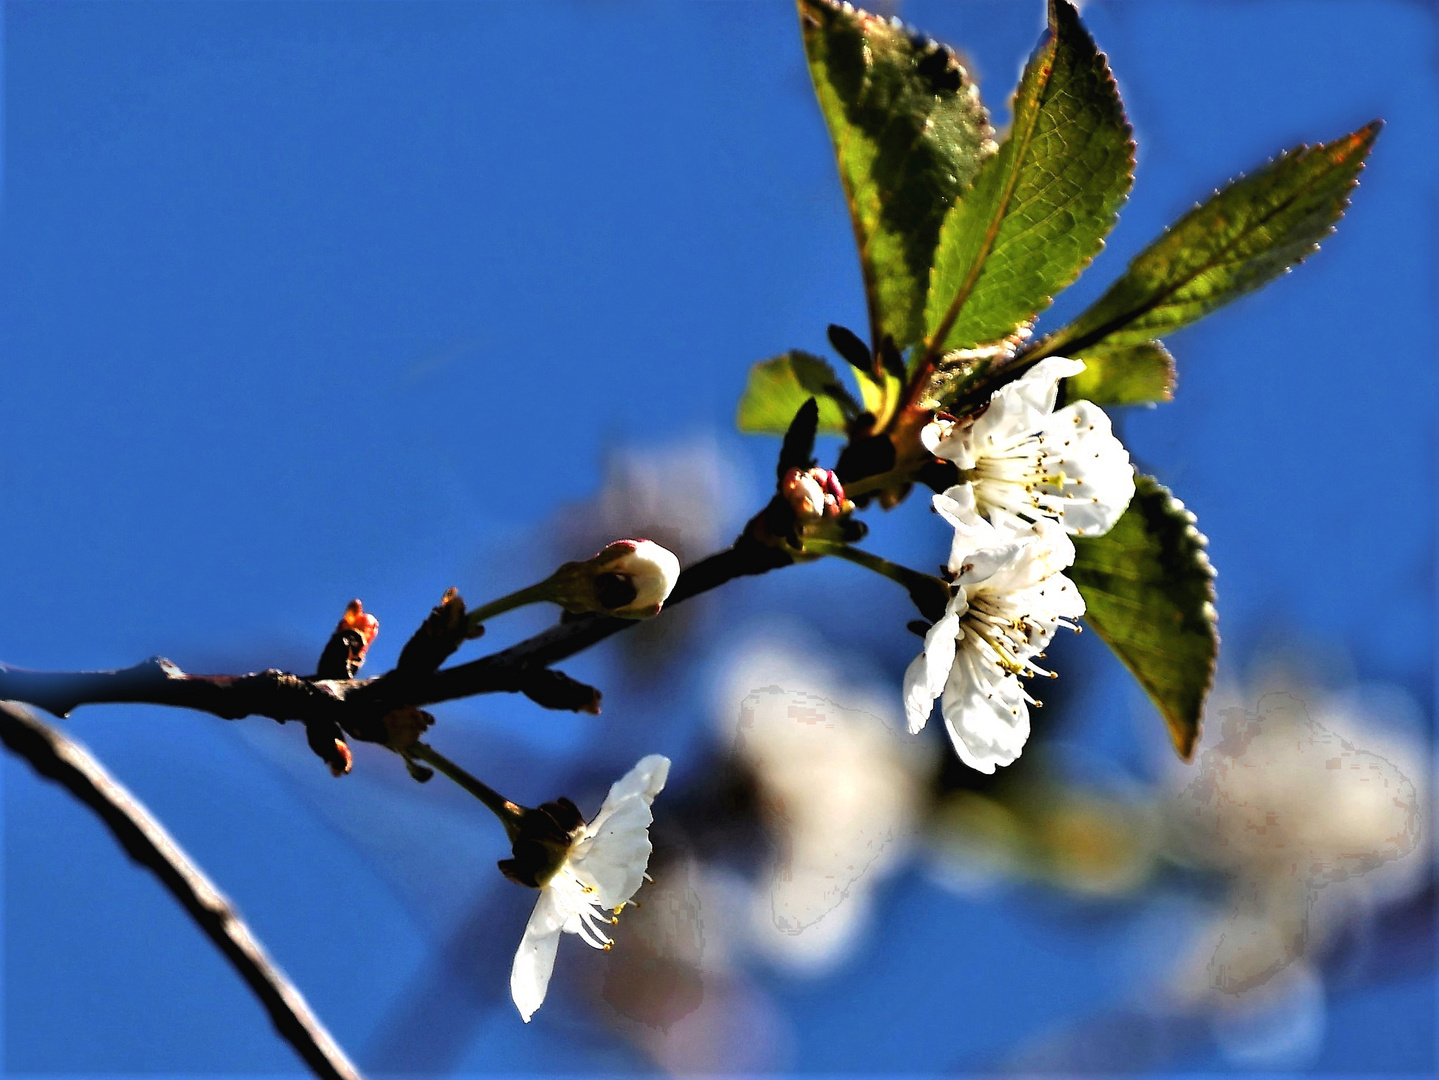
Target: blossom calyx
540, 840
629, 578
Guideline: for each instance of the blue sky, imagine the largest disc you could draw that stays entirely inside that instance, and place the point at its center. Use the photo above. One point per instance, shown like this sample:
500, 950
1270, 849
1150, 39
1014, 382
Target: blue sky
300, 302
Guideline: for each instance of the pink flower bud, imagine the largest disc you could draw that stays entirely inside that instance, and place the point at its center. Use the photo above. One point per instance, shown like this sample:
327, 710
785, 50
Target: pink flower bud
804, 494
814, 495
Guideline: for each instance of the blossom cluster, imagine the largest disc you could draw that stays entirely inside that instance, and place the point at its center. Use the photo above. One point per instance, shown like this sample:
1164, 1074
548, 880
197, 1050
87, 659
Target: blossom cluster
1030, 477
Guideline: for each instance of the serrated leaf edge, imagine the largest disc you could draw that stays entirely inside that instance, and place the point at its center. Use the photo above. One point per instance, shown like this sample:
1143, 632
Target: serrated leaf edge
1363, 138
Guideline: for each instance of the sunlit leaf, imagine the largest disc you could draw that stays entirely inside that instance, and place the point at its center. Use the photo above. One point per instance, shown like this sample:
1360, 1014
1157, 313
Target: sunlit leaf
778, 387
909, 133
1246, 235
1149, 589
1040, 208
1123, 375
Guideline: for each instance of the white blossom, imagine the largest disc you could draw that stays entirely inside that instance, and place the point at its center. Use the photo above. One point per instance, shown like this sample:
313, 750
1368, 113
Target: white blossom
1009, 599
1027, 461
602, 870
1292, 812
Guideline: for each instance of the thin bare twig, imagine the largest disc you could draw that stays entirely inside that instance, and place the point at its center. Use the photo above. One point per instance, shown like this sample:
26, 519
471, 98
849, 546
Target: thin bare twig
58, 758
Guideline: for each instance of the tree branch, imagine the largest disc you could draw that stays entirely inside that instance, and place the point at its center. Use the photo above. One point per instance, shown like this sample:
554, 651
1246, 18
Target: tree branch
57, 758
358, 705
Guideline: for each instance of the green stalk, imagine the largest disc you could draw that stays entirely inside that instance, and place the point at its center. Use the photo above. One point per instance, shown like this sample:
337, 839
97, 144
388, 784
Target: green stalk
508, 812
878, 481
533, 594
930, 594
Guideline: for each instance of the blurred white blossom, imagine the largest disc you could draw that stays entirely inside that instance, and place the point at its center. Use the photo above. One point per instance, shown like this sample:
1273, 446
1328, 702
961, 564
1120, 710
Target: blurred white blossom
682, 495
841, 794
1315, 817
673, 986
1286, 807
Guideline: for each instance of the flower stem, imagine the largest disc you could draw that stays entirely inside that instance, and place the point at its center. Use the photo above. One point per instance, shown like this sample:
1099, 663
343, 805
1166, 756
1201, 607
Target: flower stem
867, 559
533, 594
508, 812
878, 481
930, 594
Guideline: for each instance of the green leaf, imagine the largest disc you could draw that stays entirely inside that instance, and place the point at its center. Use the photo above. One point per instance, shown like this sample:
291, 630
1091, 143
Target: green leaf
909, 133
778, 387
1149, 589
1245, 236
1123, 375
1040, 208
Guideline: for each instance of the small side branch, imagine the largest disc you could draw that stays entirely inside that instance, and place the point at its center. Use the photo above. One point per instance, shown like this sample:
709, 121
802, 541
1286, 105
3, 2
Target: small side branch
57, 758
566, 639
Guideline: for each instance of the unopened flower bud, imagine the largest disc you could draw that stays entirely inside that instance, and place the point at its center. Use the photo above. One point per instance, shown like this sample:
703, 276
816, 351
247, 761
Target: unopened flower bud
804, 495
367, 626
630, 578
345, 651
814, 494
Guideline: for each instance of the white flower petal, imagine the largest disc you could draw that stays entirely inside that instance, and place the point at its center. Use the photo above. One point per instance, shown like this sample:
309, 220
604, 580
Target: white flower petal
1019, 407
936, 434
948, 440
979, 549
1043, 551
1053, 368
614, 849
985, 712
924, 678
646, 779
613, 859
956, 505
918, 701
1038, 387
535, 959
1099, 479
